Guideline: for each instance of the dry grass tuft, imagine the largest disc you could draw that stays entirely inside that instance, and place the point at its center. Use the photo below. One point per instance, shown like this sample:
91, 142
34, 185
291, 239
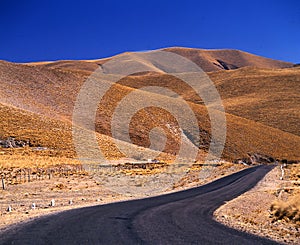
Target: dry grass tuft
288, 211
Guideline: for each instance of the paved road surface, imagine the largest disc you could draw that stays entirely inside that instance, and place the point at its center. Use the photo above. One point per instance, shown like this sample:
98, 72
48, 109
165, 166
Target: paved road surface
178, 218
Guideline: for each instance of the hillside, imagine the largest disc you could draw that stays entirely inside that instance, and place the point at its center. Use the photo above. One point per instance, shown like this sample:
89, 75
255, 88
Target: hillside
261, 101
269, 96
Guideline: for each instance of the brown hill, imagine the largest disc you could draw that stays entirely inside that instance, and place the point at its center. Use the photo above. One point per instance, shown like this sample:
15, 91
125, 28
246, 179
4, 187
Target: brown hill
37, 101
208, 60
246, 133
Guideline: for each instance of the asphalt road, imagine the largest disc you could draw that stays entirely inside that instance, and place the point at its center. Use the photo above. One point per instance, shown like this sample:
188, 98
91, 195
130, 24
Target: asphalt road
179, 218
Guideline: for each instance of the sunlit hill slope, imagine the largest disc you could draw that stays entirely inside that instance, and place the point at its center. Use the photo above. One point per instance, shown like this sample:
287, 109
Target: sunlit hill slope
261, 99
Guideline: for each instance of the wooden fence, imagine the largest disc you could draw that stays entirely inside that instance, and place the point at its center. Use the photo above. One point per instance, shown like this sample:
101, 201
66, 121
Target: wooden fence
13, 176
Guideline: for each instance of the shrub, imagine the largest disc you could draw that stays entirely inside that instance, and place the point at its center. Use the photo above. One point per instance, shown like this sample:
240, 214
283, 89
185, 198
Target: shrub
288, 211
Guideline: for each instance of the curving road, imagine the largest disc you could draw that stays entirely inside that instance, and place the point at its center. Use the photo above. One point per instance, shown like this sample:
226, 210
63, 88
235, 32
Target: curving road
179, 218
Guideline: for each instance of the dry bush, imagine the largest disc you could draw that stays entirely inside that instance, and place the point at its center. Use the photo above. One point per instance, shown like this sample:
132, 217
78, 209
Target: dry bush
288, 211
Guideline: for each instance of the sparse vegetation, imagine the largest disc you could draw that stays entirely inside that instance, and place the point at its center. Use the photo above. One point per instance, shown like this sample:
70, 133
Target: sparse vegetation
288, 211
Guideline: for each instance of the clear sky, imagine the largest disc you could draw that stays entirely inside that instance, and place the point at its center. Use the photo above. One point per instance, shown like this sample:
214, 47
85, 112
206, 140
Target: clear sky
35, 30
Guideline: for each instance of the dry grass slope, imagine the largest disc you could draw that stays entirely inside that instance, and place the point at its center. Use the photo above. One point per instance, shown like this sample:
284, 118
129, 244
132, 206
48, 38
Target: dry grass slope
262, 105
269, 96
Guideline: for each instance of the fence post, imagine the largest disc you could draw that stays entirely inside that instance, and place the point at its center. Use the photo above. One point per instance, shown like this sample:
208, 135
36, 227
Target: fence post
282, 172
3, 183
29, 175
24, 175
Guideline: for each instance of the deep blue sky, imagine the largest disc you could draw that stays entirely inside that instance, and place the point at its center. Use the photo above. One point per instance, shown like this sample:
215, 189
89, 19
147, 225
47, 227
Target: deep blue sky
36, 30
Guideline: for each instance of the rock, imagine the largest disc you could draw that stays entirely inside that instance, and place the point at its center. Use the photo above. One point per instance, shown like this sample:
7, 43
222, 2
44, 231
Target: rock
10, 142
9, 209
256, 158
70, 202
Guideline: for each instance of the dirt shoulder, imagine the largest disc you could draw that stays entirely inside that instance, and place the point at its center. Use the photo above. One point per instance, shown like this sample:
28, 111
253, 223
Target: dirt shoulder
251, 212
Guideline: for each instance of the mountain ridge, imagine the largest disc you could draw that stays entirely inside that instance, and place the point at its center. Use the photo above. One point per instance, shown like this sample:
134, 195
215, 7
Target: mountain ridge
207, 59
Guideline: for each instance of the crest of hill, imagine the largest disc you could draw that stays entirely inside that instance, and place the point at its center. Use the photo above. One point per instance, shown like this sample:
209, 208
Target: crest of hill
208, 60
226, 59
